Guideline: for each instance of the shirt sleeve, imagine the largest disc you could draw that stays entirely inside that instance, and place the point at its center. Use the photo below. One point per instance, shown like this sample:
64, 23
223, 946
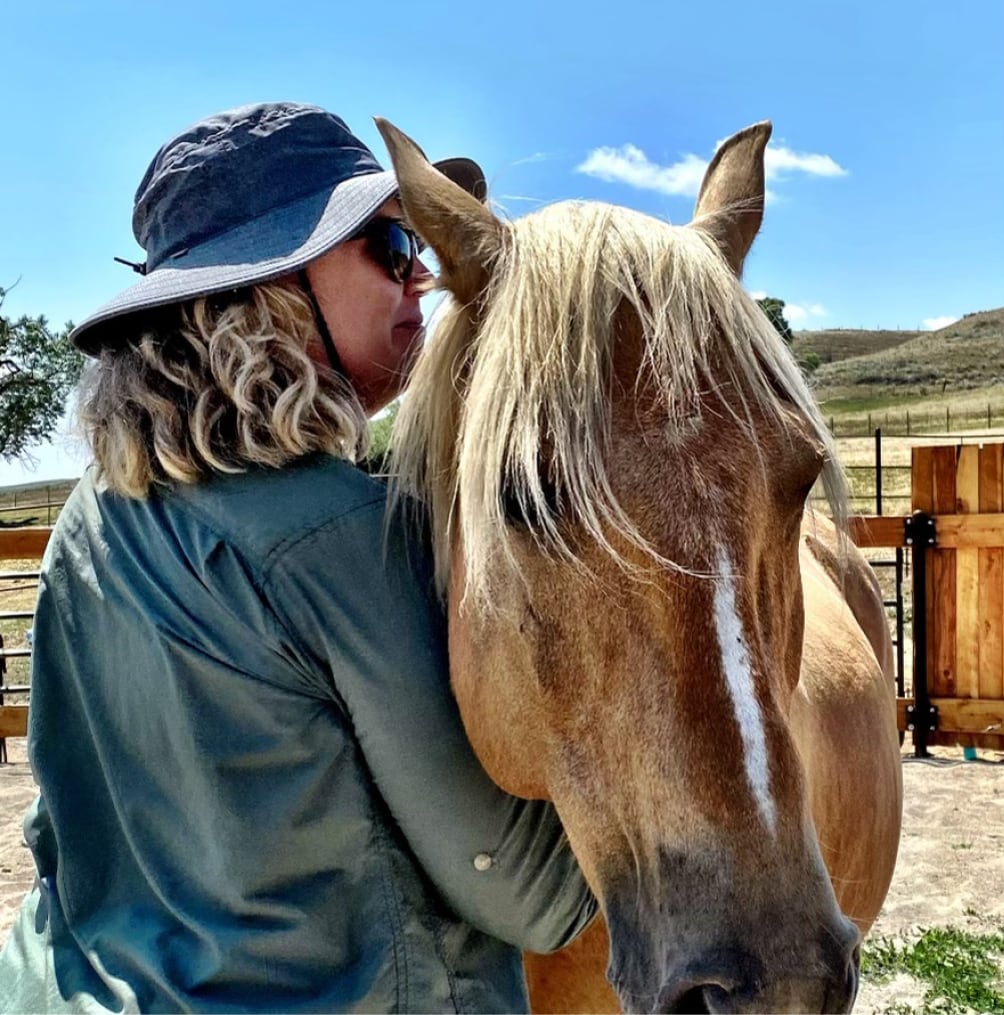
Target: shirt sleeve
358, 597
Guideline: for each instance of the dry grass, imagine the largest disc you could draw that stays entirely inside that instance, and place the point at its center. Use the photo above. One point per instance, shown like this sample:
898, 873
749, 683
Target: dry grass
835, 344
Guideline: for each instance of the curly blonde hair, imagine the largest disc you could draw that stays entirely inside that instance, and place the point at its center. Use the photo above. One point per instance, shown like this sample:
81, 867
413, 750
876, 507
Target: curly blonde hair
217, 384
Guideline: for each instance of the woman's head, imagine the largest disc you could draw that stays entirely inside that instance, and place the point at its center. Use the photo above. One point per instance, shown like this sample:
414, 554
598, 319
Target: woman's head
217, 384
269, 231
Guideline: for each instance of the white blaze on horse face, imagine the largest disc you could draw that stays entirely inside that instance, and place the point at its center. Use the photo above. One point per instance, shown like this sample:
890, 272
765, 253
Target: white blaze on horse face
739, 678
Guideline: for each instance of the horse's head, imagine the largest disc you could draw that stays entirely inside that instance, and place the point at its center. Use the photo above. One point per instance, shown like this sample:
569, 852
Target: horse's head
617, 448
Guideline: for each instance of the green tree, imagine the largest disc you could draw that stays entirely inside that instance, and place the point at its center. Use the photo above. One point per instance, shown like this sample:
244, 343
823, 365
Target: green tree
38, 369
774, 309
380, 432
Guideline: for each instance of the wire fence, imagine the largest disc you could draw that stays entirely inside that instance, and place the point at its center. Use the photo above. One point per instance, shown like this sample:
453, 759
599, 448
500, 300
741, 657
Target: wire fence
38, 504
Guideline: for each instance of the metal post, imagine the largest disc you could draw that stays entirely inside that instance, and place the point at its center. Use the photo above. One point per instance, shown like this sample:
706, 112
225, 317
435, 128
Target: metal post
922, 717
900, 651
878, 470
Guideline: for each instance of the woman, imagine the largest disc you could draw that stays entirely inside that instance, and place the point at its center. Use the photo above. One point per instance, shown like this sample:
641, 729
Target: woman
256, 793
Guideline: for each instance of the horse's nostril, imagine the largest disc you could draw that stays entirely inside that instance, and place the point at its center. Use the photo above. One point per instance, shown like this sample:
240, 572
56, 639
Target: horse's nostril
714, 999
693, 1000
706, 997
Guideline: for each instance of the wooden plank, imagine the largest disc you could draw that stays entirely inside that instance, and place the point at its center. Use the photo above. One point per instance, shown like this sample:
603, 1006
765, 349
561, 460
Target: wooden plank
967, 581
965, 716
967, 480
942, 616
877, 530
990, 608
922, 479
946, 464
29, 541
13, 720
991, 592
955, 531
991, 473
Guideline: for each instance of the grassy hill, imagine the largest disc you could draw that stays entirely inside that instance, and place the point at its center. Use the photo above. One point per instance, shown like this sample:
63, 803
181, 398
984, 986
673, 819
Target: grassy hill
963, 357
836, 344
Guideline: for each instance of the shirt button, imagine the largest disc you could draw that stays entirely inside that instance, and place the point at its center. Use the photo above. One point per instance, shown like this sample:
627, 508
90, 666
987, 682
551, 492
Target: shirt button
483, 862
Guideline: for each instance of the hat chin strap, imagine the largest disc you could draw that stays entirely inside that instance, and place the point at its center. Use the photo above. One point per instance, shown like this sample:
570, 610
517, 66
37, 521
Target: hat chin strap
334, 360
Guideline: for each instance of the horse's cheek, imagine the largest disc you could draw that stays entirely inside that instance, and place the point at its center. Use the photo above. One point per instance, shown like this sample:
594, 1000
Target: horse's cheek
497, 704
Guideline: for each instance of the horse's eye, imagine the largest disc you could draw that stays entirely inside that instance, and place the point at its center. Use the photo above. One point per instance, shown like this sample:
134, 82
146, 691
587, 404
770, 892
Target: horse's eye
523, 512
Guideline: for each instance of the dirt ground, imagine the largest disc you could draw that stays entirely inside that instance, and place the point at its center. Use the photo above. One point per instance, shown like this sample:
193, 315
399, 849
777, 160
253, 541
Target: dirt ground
17, 790
950, 869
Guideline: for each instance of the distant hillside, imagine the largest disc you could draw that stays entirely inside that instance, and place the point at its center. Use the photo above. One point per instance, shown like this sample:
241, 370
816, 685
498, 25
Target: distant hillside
965, 356
837, 344
33, 503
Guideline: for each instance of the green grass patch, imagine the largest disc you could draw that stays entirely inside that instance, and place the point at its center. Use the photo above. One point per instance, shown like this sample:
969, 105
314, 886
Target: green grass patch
961, 971
857, 403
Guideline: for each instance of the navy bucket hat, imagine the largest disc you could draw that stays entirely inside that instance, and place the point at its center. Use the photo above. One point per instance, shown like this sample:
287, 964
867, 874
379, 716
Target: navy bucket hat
245, 196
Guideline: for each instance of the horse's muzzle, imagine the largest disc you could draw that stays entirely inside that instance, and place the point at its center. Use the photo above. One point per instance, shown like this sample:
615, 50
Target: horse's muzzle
834, 993
813, 976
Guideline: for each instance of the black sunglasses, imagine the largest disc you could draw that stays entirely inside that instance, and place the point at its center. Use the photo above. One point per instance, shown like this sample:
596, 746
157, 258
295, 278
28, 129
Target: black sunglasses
392, 245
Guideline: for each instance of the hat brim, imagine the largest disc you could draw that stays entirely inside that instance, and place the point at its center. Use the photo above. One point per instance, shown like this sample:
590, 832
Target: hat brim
266, 248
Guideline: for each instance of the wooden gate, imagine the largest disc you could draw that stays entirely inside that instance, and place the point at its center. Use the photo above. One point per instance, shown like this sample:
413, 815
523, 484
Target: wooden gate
962, 489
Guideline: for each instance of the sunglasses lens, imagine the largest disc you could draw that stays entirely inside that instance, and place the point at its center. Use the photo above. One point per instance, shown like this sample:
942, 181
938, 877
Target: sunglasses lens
400, 252
392, 246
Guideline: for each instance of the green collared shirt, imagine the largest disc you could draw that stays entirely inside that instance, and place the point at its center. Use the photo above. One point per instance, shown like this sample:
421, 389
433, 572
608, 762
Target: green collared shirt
256, 791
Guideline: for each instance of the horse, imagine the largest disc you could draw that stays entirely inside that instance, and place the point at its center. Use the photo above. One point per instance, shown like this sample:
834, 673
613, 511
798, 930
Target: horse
647, 625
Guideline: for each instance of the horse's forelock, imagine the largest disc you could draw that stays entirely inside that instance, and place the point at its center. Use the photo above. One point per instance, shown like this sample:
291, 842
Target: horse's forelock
535, 374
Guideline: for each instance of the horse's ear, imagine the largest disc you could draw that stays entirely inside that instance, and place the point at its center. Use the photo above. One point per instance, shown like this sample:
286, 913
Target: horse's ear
465, 235
730, 204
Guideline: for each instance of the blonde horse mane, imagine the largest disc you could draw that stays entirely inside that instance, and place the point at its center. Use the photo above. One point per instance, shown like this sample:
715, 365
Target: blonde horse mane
536, 374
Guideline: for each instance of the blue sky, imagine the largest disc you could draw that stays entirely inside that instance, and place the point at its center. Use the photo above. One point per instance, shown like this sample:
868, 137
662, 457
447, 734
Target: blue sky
886, 199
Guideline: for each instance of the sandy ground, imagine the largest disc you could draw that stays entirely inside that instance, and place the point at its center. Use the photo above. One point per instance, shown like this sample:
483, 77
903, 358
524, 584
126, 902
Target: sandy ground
950, 869
17, 871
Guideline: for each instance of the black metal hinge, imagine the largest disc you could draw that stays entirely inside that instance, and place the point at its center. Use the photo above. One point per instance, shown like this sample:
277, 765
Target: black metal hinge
919, 530
922, 717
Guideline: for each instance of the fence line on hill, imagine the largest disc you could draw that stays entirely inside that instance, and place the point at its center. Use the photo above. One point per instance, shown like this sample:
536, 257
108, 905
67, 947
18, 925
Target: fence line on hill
923, 423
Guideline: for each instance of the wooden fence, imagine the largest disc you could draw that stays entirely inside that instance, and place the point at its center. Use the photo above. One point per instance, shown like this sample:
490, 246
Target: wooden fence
956, 538
16, 544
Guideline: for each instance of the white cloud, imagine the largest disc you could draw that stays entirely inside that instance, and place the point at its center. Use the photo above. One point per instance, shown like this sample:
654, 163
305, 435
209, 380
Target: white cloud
934, 323
796, 313
629, 164
779, 161
535, 157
